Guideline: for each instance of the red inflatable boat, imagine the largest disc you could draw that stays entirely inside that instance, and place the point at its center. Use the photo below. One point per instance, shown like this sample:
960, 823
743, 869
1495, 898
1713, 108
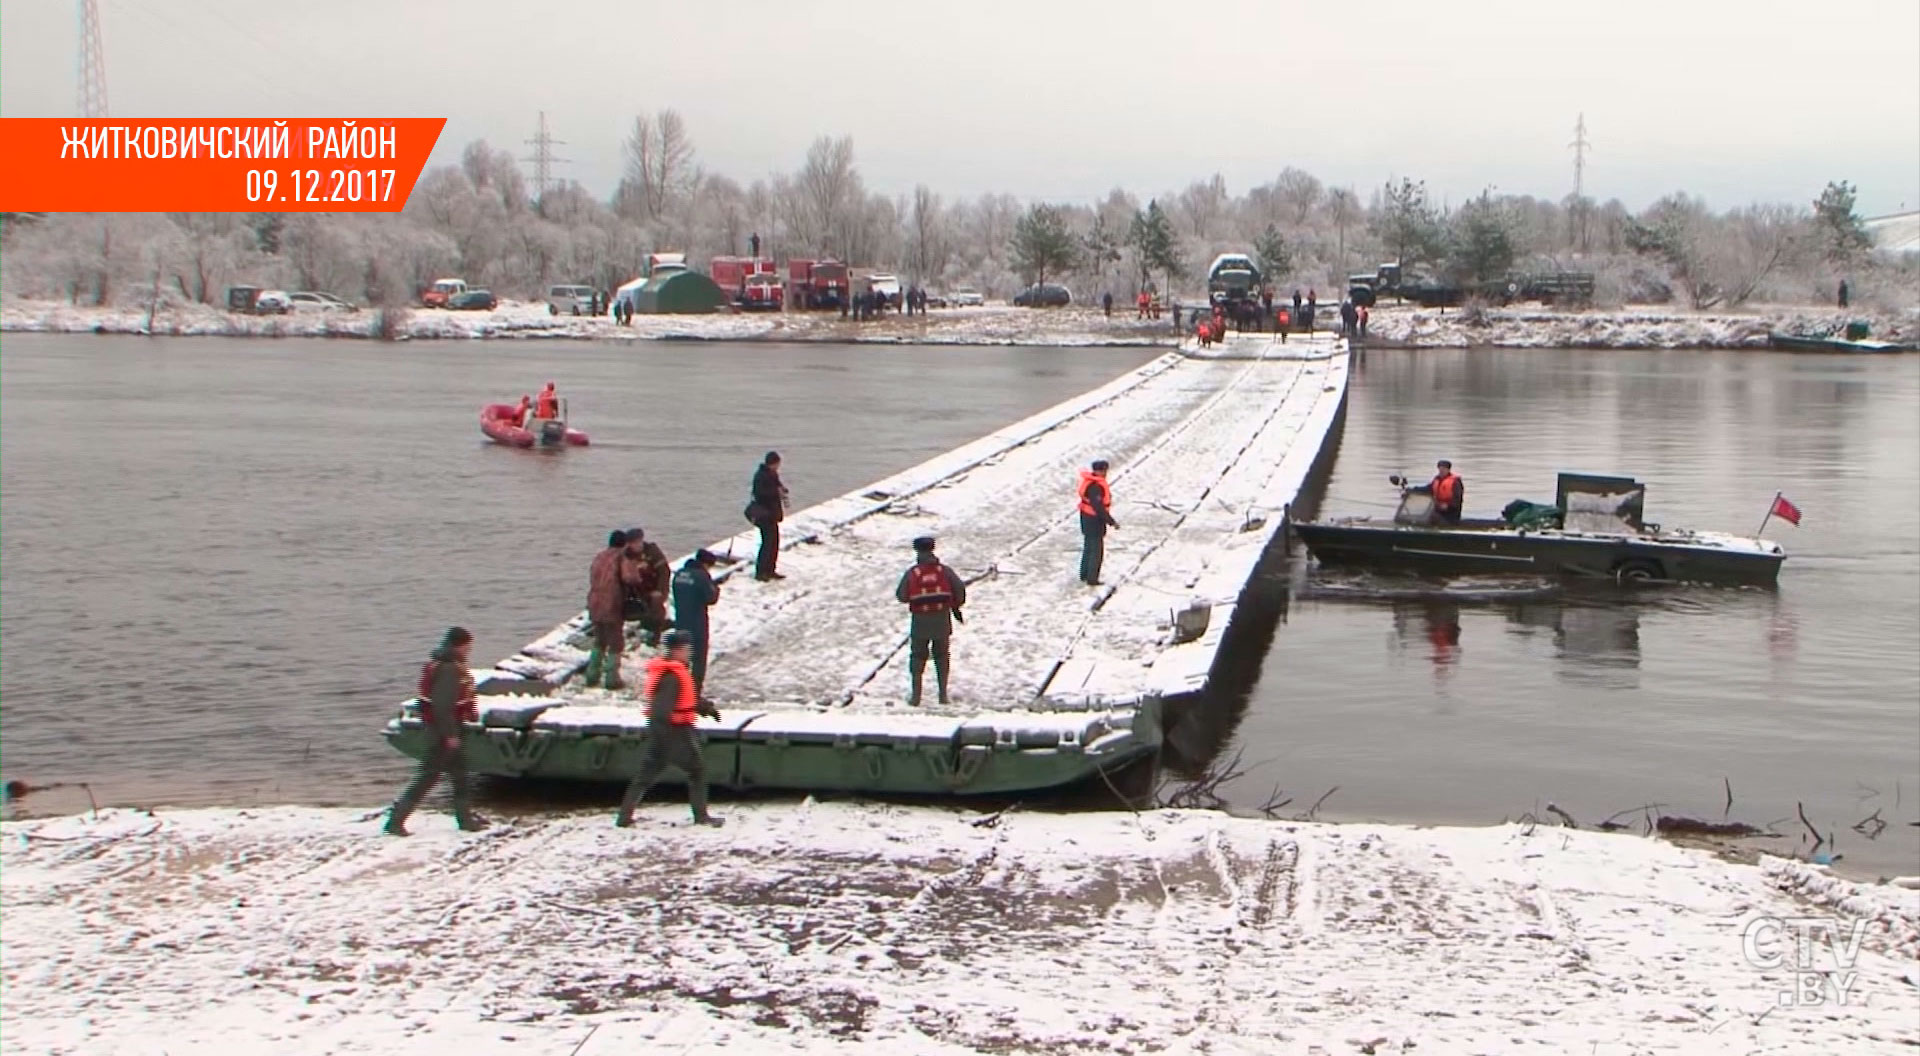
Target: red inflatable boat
497, 422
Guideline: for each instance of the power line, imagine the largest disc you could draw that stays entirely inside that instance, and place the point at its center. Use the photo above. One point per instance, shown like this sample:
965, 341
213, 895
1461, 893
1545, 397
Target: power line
1579, 146
93, 62
543, 159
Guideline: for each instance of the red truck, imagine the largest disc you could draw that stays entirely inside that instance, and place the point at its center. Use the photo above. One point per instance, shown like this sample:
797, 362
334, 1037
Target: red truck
818, 283
752, 283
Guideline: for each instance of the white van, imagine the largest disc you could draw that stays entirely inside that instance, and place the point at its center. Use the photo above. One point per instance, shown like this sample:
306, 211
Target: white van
574, 300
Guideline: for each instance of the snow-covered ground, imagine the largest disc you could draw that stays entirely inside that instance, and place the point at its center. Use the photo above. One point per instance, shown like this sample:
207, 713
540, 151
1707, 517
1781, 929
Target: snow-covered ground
1620, 328
844, 928
990, 325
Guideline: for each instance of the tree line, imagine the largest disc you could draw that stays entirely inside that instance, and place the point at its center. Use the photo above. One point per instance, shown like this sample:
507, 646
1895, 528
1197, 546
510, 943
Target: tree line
479, 220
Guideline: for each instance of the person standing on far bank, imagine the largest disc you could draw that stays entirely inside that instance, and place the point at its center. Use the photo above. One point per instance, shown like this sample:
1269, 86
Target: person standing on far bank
1096, 516
933, 594
673, 706
446, 702
766, 510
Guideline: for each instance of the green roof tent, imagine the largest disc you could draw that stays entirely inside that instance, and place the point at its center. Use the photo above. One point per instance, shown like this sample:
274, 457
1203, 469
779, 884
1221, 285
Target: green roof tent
679, 293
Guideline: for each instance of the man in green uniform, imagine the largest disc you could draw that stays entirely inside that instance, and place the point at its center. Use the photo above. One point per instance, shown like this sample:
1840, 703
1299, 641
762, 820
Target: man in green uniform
446, 700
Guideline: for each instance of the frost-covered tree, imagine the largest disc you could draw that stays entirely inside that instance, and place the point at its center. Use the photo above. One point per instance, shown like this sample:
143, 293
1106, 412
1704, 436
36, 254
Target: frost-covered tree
660, 172
1408, 224
1100, 249
1043, 244
1272, 253
1843, 235
828, 196
1298, 192
1155, 248
1675, 230
926, 237
1481, 246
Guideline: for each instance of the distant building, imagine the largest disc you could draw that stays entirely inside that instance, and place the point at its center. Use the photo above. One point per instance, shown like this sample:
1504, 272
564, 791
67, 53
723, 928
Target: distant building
1896, 234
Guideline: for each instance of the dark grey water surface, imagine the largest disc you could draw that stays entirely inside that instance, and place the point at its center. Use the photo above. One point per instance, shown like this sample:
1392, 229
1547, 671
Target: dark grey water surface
223, 559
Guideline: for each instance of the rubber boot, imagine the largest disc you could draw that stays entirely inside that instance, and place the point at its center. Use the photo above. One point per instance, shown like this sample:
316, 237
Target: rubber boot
613, 674
594, 659
913, 698
940, 675
396, 824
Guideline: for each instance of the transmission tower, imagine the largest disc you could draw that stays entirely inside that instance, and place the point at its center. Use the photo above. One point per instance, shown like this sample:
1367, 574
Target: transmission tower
1578, 214
1579, 146
543, 159
93, 62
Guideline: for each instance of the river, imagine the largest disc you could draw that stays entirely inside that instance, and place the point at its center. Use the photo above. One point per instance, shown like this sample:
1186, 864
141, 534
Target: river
221, 560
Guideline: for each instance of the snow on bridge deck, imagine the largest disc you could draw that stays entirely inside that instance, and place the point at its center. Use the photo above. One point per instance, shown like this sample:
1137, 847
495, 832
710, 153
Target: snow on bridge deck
1207, 450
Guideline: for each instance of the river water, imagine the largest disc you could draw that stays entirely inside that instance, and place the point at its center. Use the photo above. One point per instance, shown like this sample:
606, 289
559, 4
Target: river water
221, 560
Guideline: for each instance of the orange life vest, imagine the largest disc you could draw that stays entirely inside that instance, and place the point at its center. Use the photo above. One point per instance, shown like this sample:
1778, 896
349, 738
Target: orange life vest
928, 589
1089, 480
549, 404
1446, 490
686, 709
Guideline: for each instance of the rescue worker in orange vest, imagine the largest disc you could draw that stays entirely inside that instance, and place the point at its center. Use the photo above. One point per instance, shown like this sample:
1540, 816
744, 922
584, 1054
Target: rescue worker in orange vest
1096, 503
673, 705
520, 412
549, 405
933, 594
1449, 494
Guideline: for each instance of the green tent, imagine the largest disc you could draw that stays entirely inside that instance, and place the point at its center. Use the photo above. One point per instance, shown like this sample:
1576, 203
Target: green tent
679, 293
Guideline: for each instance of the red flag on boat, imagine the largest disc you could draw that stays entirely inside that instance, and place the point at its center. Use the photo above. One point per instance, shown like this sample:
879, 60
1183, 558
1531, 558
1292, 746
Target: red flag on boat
1786, 511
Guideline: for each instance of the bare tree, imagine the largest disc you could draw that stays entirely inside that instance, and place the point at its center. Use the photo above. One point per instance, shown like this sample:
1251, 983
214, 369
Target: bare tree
660, 169
827, 196
926, 237
1298, 192
1343, 208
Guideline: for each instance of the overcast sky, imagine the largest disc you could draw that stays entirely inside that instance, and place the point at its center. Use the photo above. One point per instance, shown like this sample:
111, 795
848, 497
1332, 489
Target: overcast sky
1736, 101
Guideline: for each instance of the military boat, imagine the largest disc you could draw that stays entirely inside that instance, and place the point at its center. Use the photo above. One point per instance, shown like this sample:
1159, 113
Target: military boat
1595, 529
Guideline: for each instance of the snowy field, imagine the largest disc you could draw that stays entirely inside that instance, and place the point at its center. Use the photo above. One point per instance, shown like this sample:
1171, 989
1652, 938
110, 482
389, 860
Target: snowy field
842, 928
989, 325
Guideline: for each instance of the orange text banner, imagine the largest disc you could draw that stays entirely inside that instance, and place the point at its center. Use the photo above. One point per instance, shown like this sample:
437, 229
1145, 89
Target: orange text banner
228, 165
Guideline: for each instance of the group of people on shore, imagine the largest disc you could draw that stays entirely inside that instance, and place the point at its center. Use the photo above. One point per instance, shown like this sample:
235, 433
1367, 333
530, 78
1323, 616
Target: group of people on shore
871, 304
629, 581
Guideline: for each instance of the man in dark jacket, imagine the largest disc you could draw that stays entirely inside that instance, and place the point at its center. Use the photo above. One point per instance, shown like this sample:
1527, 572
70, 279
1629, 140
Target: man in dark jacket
766, 510
646, 573
1096, 516
672, 708
607, 610
694, 592
1449, 493
933, 594
446, 701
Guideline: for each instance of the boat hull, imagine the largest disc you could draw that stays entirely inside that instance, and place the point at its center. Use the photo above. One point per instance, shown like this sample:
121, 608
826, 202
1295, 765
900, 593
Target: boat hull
1802, 343
496, 424
977, 758
1543, 553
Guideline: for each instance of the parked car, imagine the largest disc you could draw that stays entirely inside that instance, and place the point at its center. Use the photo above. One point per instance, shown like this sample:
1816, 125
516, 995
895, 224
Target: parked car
473, 301
1043, 296
939, 300
966, 297
441, 292
273, 302
308, 301
343, 304
573, 300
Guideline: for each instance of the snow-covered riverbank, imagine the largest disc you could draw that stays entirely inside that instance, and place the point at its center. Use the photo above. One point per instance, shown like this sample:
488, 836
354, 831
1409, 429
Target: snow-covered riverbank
1394, 325
830, 928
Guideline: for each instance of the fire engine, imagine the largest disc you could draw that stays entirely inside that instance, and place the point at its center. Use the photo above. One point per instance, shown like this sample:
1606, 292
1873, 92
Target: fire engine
751, 283
818, 283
